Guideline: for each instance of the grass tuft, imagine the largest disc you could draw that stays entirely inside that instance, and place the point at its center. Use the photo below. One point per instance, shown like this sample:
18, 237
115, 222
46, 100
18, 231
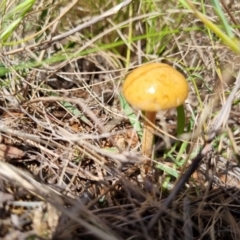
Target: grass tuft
70, 144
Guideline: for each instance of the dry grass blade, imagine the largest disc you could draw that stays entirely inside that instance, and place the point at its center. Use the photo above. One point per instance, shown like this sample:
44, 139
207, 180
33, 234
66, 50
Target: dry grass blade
219, 122
16, 176
223, 115
96, 19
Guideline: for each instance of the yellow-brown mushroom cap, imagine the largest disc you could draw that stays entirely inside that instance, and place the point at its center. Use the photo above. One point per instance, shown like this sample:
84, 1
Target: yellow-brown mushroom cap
155, 86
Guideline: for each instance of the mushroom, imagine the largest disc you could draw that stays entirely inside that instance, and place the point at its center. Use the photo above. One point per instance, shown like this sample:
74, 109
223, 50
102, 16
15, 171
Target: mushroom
151, 88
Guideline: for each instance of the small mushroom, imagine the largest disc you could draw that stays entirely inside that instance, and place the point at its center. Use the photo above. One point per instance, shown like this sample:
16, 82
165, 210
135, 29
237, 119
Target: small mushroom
151, 88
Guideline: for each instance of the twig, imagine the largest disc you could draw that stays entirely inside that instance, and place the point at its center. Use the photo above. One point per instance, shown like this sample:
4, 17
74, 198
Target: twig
178, 186
45, 44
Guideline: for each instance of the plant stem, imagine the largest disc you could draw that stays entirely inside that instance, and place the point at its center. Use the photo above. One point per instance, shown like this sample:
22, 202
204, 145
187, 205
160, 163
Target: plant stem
147, 139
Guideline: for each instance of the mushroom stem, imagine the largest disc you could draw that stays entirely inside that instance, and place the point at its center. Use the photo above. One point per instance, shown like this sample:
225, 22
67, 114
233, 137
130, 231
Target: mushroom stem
147, 139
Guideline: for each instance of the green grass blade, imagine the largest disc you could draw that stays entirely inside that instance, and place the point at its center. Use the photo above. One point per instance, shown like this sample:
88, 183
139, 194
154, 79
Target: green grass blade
20, 10
219, 12
131, 115
232, 43
9, 30
180, 120
75, 112
18, 13
169, 170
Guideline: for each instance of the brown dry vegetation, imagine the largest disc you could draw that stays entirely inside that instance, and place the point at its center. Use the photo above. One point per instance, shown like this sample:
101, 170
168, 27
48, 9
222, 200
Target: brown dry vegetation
70, 155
